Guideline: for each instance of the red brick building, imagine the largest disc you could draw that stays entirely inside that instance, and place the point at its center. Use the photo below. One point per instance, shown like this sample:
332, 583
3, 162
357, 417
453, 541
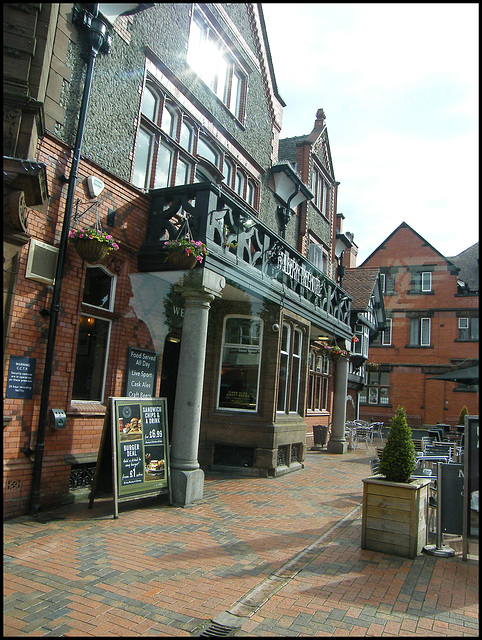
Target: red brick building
431, 304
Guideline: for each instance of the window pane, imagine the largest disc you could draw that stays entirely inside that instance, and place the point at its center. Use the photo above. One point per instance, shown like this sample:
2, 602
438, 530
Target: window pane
296, 368
149, 102
240, 364
227, 172
236, 85
240, 184
474, 328
182, 172
373, 395
425, 331
283, 379
163, 169
239, 378
98, 288
186, 137
91, 359
384, 399
143, 153
167, 121
206, 151
426, 281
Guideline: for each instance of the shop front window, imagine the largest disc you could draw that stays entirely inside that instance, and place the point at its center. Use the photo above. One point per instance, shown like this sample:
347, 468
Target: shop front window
241, 356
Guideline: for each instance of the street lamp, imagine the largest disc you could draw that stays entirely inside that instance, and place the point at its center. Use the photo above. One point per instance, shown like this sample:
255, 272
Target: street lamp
100, 41
291, 191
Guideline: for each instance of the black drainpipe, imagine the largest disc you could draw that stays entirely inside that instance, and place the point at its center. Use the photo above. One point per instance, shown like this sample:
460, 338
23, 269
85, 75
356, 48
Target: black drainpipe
97, 33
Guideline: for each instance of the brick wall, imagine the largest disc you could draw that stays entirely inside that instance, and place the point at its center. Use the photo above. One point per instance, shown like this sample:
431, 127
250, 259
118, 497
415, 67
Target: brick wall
28, 334
425, 401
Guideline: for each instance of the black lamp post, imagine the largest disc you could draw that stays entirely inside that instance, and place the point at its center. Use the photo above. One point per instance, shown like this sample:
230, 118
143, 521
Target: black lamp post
99, 41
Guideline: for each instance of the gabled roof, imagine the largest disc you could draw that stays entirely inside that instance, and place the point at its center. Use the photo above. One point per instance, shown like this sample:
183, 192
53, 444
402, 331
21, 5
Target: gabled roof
468, 263
360, 284
407, 226
318, 135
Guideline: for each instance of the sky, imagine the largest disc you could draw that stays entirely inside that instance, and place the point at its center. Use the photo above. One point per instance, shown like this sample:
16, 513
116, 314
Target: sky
398, 83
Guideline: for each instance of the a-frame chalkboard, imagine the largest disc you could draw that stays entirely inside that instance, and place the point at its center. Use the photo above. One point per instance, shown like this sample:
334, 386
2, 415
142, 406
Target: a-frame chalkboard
133, 457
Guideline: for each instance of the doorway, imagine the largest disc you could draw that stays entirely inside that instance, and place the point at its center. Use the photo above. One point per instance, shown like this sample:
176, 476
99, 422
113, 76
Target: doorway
170, 366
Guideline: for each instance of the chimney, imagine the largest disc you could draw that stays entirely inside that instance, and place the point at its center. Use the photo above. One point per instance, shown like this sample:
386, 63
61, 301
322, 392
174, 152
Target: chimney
320, 119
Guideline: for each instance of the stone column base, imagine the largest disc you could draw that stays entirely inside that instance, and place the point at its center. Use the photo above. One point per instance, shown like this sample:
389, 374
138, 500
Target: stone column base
334, 446
187, 487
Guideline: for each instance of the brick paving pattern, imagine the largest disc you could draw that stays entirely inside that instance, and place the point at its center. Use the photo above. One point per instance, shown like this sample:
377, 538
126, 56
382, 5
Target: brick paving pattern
257, 557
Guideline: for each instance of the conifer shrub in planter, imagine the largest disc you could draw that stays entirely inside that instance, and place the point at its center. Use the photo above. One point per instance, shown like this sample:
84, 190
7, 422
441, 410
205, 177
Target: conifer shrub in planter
395, 507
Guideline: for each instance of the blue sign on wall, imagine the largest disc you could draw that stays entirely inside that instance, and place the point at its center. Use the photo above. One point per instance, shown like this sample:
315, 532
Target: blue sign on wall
21, 372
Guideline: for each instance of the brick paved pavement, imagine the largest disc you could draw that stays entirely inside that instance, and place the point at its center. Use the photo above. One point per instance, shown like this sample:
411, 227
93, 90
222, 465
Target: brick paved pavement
257, 557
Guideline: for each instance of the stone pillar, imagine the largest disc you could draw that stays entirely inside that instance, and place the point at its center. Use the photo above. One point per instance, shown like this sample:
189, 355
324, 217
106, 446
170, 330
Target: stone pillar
187, 479
337, 442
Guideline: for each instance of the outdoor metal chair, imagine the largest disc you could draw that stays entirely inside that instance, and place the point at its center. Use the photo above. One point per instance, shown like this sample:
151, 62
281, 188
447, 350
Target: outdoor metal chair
427, 440
378, 429
351, 436
375, 466
365, 434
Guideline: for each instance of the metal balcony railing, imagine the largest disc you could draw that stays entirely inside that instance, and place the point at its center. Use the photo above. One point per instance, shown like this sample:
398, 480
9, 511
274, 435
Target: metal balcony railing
242, 248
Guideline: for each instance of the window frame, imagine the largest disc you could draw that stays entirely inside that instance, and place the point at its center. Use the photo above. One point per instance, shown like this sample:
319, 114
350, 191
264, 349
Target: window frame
206, 41
388, 330
426, 276
249, 348
376, 389
103, 315
318, 382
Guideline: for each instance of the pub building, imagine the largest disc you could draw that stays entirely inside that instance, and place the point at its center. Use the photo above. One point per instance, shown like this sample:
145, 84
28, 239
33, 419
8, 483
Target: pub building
165, 146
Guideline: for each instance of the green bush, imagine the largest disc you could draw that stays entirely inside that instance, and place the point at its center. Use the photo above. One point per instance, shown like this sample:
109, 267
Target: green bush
464, 412
397, 459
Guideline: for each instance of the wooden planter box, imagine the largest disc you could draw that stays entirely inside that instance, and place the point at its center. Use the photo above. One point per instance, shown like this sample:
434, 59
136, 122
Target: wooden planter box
394, 516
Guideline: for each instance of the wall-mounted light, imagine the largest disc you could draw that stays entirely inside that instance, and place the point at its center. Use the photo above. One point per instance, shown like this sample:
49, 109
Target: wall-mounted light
342, 243
291, 191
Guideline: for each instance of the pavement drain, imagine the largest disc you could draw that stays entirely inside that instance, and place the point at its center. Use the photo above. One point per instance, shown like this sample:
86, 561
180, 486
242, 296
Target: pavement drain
223, 626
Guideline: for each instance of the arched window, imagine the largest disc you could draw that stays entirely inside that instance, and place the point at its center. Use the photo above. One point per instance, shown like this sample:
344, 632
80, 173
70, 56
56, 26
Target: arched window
240, 181
228, 172
206, 150
150, 102
186, 137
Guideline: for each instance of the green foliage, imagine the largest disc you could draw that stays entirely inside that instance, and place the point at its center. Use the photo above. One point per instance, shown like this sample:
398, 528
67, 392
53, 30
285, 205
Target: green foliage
464, 412
397, 459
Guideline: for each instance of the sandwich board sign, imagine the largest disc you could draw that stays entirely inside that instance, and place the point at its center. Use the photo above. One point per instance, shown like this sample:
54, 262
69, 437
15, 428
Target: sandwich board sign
133, 458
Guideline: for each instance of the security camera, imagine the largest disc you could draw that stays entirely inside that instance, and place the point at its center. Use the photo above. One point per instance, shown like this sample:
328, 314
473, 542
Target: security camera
275, 328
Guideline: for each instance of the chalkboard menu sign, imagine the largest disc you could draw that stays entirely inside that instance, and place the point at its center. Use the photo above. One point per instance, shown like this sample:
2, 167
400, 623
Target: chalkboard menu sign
141, 373
20, 379
137, 462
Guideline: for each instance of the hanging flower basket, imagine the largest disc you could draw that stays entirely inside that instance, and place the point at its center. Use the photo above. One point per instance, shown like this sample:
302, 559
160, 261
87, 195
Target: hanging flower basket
185, 254
92, 245
181, 260
334, 353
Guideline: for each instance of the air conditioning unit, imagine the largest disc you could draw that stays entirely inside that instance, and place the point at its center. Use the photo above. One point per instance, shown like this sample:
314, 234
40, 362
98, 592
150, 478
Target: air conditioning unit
41, 262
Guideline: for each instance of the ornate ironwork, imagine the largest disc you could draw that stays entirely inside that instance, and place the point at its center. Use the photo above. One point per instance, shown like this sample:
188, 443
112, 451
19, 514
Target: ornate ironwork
218, 220
81, 476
